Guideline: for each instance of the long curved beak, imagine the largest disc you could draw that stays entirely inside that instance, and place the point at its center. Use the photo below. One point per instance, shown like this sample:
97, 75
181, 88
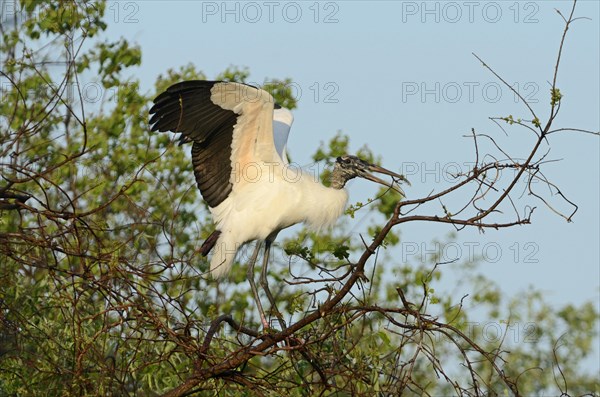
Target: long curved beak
396, 178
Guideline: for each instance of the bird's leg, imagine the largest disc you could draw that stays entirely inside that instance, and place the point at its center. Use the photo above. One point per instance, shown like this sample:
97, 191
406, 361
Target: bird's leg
265, 285
250, 276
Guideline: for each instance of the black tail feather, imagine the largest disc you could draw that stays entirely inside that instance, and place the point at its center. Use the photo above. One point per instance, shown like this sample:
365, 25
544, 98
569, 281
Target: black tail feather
210, 242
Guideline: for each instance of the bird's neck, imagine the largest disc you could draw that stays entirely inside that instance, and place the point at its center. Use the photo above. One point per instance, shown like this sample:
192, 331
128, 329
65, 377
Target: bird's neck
337, 181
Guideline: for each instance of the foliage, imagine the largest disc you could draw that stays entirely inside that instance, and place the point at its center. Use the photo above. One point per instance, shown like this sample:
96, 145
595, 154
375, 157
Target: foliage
102, 291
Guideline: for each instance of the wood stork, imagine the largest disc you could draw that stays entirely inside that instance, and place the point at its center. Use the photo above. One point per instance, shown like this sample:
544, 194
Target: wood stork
239, 138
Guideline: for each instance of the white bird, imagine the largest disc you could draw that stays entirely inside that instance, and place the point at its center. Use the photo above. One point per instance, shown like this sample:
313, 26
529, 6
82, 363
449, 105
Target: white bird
239, 138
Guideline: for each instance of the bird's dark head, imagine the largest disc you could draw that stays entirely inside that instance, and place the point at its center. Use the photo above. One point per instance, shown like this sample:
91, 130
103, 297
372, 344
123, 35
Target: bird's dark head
347, 167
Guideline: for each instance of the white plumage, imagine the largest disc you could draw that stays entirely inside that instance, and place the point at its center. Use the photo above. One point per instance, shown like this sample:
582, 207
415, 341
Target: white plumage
257, 210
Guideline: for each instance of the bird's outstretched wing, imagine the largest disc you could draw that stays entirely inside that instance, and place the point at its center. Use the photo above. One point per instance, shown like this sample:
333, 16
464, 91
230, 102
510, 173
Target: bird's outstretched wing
282, 122
230, 125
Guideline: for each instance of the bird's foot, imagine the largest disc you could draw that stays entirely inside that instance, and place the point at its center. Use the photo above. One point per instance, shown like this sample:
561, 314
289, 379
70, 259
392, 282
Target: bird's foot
273, 325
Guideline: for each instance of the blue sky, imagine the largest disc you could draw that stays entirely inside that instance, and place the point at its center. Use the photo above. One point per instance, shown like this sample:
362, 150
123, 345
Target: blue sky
401, 77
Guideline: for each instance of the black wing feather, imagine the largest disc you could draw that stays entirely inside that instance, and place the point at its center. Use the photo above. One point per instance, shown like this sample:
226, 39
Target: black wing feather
186, 108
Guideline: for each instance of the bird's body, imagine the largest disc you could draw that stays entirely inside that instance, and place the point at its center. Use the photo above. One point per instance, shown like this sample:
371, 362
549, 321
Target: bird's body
241, 167
271, 198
